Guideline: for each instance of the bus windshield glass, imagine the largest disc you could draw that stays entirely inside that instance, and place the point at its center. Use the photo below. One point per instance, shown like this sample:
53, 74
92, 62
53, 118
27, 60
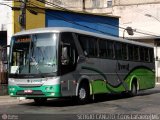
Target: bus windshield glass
34, 54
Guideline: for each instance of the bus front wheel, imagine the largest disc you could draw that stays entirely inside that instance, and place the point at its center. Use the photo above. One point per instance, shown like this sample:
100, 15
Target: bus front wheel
83, 94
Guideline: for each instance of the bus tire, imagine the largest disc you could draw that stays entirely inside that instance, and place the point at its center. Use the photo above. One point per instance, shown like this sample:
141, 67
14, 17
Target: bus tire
83, 94
133, 91
40, 101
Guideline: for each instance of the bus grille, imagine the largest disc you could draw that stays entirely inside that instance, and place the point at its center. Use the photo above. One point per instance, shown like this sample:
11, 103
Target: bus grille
35, 92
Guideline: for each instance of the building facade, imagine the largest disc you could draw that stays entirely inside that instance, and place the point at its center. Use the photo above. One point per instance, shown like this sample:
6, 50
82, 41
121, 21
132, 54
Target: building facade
6, 32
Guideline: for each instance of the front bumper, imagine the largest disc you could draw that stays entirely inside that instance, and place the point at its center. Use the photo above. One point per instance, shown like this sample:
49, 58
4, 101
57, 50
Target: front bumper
40, 91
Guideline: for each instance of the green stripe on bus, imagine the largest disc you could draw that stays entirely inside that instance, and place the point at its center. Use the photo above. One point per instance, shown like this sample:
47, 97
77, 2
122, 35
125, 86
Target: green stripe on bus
144, 76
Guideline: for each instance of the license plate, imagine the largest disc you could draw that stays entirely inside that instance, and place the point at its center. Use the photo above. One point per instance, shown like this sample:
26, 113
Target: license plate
28, 91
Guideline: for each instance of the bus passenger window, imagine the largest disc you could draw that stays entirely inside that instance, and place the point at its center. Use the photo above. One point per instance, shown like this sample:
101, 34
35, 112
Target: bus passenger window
151, 55
124, 51
136, 53
130, 52
102, 49
89, 45
146, 53
142, 54
118, 50
110, 49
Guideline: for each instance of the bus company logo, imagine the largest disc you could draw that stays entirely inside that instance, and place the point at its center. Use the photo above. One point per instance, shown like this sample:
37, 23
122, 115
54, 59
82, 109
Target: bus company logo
4, 116
29, 81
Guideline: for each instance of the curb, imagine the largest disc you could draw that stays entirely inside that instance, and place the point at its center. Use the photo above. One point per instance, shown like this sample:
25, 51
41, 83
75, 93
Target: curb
157, 83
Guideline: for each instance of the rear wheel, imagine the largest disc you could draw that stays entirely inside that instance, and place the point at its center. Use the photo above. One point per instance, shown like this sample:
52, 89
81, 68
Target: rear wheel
83, 94
133, 91
40, 101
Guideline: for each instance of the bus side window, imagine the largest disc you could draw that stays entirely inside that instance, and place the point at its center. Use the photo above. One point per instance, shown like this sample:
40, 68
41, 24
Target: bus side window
102, 49
136, 53
124, 51
110, 49
146, 53
118, 50
151, 54
69, 55
142, 54
130, 52
89, 45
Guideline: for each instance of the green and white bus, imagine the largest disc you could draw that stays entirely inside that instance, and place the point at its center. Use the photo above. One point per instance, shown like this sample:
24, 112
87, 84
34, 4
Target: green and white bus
59, 62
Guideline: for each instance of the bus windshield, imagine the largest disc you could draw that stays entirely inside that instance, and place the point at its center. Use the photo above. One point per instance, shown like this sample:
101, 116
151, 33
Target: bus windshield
34, 54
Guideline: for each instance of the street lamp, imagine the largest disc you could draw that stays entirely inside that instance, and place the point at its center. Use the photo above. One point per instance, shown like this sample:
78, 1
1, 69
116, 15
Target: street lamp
148, 15
129, 31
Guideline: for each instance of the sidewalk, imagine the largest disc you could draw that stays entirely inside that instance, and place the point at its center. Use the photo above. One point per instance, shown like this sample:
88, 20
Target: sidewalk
10, 100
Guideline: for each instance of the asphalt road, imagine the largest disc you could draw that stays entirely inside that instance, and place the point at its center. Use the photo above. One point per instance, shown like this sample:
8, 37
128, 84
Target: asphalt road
145, 106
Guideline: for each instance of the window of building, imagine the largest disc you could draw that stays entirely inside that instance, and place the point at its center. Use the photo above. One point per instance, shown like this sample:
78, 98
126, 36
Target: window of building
95, 3
109, 3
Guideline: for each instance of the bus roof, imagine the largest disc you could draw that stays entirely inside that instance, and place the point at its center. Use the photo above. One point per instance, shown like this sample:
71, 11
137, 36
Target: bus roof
68, 29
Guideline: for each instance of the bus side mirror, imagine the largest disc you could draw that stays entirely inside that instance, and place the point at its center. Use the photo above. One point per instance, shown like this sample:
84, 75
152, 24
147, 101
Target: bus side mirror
64, 56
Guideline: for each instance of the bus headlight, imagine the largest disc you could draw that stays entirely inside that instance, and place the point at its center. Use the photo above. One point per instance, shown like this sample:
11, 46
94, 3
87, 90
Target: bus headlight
11, 80
52, 94
12, 89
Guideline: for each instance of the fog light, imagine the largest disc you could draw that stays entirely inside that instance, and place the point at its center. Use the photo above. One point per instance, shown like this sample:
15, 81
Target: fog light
47, 88
52, 94
11, 93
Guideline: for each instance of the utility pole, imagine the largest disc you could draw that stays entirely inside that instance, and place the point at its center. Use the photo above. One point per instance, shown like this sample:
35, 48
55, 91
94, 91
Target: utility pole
22, 16
83, 5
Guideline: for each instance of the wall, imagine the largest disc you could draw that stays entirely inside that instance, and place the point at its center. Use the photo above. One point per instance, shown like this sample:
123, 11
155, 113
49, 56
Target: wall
94, 23
134, 2
135, 17
92, 6
6, 19
32, 20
